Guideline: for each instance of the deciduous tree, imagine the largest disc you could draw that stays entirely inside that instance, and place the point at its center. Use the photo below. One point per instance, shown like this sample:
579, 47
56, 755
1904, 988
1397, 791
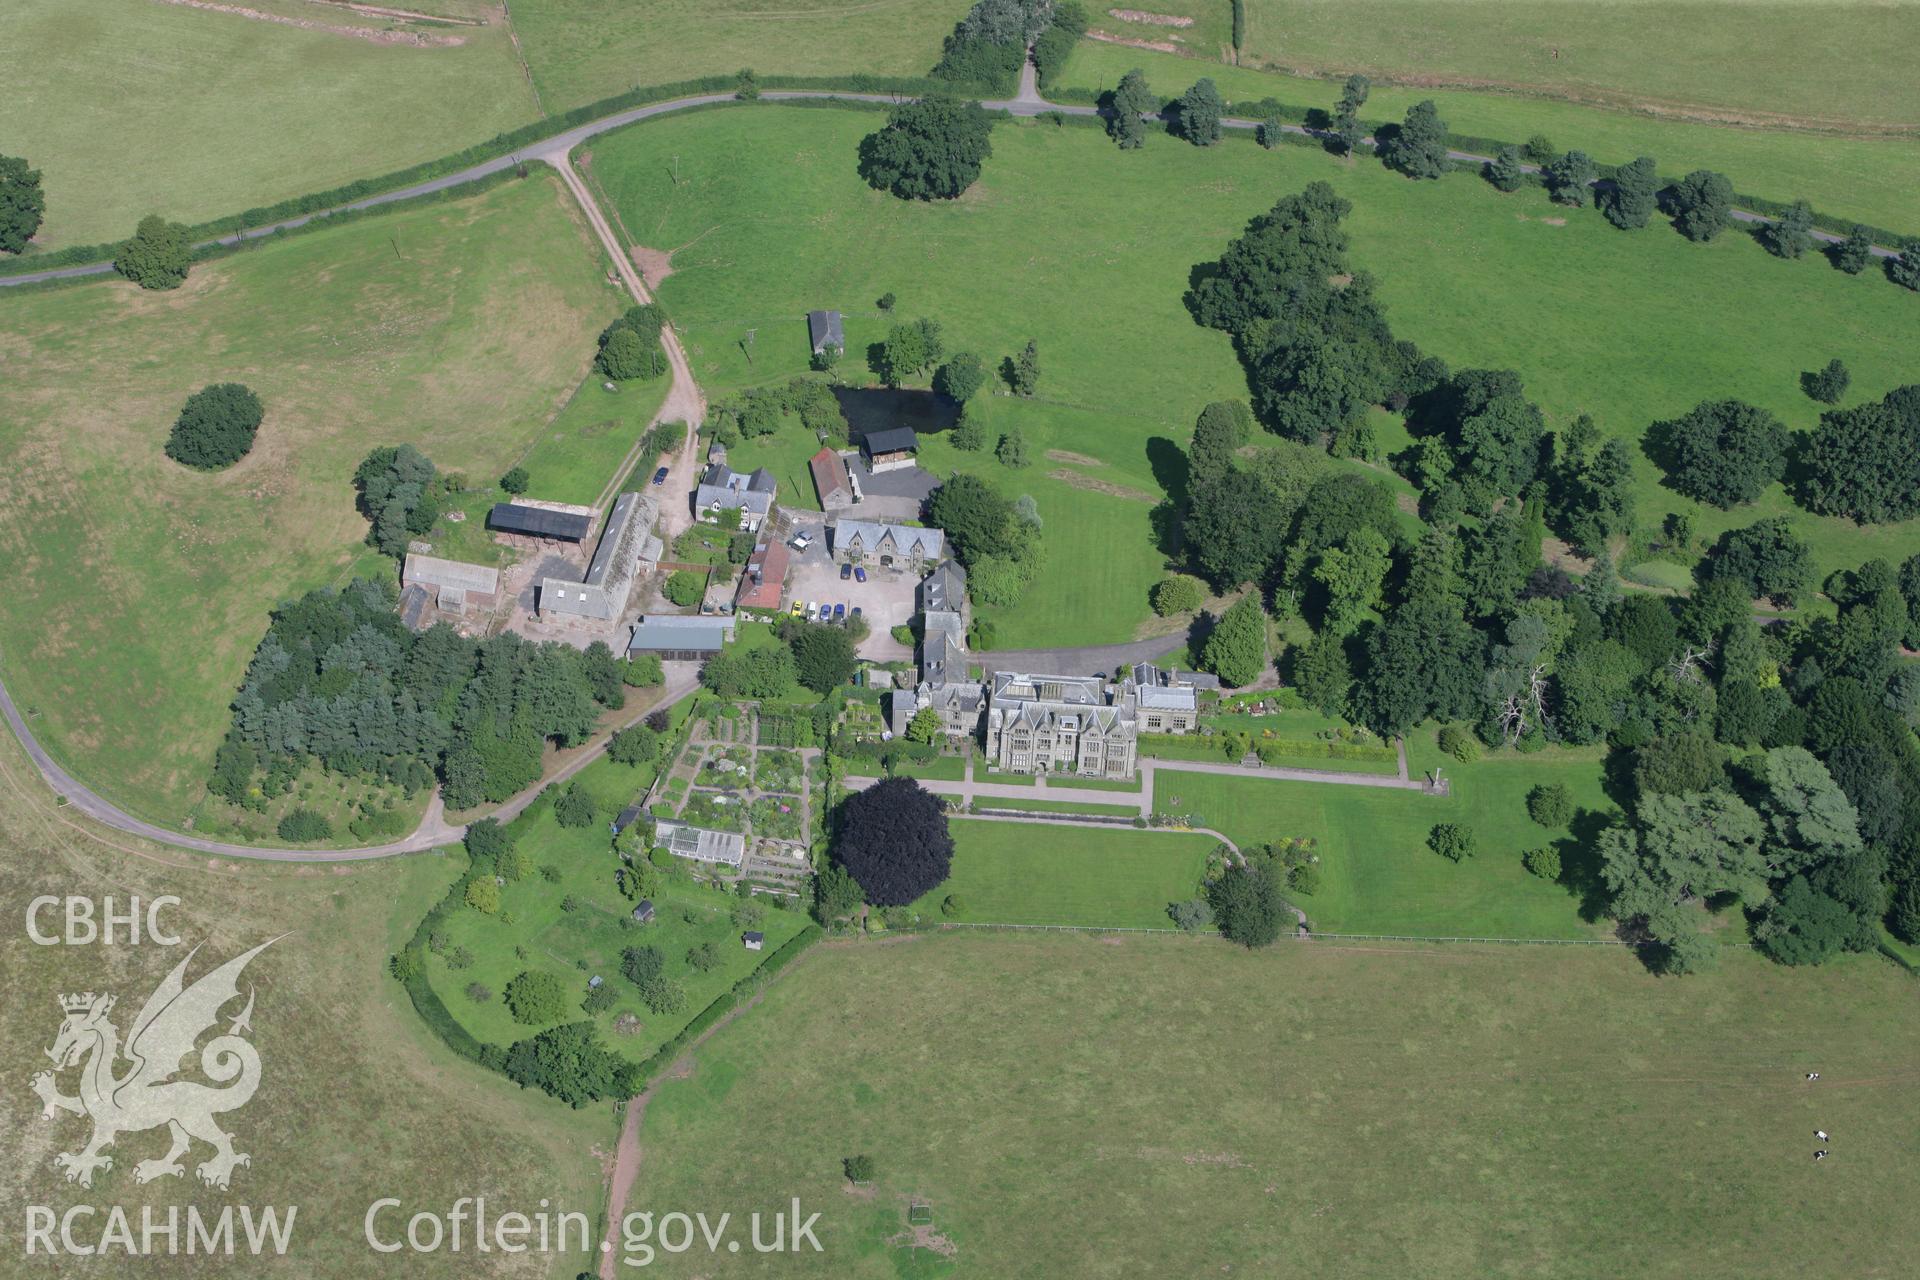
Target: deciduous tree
1419, 149
216, 427
892, 839
1132, 100
1702, 204
931, 149
1200, 110
1630, 199
158, 256
1725, 452
22, 204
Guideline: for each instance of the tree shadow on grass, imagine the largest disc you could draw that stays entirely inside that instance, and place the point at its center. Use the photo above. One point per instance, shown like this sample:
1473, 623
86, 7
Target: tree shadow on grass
1580, 863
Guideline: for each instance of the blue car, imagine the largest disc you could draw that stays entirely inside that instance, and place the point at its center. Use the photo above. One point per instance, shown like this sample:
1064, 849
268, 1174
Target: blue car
660, 476
859, 573
826, 613
840, 613
856, 611
846, 571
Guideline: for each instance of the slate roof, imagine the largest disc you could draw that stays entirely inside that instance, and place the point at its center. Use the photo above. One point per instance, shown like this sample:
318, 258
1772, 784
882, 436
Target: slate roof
432, 571
824, 330
890, 440
829, 475
872, 535
543, 522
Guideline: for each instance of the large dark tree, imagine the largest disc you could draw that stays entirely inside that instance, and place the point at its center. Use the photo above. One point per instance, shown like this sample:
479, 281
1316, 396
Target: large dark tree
1232, 528
930, 149
1419, 149
216, 428
1630, 199
1702, 204
1854, 253
823, 656
22, 204
1904, 269
1347, 129
1132, 101
1247, 903
1504, 171
1570, 179
1200, 110
1724, 452
395, 484
158, 255
892, 838
1864, 462
976, 517
1766, 559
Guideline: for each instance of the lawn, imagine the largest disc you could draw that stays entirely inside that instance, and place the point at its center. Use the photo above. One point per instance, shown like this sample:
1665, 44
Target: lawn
583, 50
1377, 873
577, 455
769, 219
1829, 64
1850, 177
1073, 1106
1044, 805
357, 1099
140, 587
129, 107
1052, 873
587, 941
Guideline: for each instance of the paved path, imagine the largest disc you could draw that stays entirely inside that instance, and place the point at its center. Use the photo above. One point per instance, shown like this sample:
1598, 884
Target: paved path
1077, 660
1028, 103
1150, 767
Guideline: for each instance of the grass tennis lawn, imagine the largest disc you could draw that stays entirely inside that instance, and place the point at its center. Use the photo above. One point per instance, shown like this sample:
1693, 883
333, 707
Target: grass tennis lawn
1377, 873
1162, 1106
141, 587
1055, 873
1870, 178
769, 220
129, 107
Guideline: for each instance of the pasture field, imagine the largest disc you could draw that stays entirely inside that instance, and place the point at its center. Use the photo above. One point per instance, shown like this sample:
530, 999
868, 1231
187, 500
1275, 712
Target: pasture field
1870, 178
769, 220
1055, 873
583, 50
586, 941
1832, 63
140, 588
1073, 1106
130, 107
1377, 874
573, 457
357, 1100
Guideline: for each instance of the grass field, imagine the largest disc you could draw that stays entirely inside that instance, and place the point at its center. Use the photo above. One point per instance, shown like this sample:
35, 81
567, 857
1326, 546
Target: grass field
1021, 873
1377, 874
769, 219
213, 113
584, 50
1851, 177
357, 1100
140, 588
1830, 63
1045, 805
574, 457
1072, 1106
587, 941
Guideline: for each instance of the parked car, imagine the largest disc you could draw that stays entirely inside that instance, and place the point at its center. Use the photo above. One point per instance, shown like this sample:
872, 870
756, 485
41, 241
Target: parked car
840, 613
799, 609
811, 606
859, 573
660, 476
800, 541
826, 613
855, 613
846, 571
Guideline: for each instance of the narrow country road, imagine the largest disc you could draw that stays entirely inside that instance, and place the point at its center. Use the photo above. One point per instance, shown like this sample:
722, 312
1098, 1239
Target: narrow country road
1028, 103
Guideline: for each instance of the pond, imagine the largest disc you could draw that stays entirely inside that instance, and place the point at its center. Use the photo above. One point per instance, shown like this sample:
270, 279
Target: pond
877, 408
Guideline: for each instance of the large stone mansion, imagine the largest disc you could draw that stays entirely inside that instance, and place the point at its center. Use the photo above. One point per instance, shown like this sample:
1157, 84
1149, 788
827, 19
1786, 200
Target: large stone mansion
1038, 723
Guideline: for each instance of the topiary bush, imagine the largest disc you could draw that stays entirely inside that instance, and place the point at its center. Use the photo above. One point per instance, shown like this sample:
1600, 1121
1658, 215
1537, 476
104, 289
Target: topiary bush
1543, 862
1550, 804
1451, 840
1177, 594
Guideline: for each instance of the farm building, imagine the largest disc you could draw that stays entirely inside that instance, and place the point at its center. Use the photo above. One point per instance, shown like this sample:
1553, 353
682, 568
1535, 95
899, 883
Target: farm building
832, 482
825, 330
764, 582
890, 545
724, 489
680, 637
891, 449
698, 844
643, 914
555, 520
753, 940
453, 585
627, 542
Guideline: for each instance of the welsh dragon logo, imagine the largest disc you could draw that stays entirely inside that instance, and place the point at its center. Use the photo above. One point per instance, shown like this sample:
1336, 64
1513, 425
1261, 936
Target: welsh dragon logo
145, 1095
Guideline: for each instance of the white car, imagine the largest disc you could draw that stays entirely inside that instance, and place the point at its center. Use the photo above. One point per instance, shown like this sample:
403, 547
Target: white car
801, 541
